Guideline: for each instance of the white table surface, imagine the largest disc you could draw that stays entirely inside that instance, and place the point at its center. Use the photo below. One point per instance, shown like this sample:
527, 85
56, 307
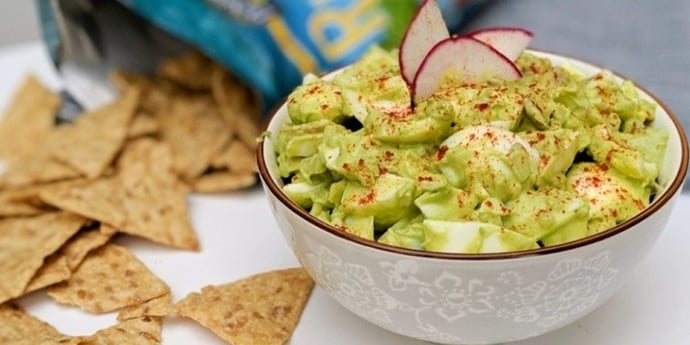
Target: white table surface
239, 238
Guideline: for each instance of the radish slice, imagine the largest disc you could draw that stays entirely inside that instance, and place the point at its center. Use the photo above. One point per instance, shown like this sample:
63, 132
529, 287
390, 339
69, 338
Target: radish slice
509, 41
426, 29
471, 60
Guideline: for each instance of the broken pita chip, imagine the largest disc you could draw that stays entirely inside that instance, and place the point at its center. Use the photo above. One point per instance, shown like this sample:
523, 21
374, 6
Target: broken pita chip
143, 124
53, 271
195, 132
237, 105
19, 328
29, 118
261, 309
91, 143
223, 181
108, 279
26, 242
192, 70
159, 306
237, 158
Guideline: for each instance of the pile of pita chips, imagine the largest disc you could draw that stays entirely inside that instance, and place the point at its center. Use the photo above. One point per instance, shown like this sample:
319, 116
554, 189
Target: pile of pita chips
126, 168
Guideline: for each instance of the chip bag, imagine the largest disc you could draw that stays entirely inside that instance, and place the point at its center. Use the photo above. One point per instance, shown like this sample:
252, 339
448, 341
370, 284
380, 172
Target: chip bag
269, 45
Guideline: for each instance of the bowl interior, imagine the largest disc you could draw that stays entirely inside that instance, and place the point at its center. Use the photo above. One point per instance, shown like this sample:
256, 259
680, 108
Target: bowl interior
672, 174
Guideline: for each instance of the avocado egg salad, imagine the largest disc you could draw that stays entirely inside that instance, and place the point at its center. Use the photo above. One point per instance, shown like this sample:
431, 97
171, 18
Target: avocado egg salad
480, 167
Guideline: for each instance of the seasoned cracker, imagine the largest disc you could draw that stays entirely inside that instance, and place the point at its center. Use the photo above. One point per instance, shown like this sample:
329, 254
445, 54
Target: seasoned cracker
262, 309
108, 279
91, 143
25, 242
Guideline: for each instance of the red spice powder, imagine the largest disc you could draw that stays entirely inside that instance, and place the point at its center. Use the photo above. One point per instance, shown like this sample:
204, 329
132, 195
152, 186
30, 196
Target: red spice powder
441, 152
424, 178
481, 106
367, 198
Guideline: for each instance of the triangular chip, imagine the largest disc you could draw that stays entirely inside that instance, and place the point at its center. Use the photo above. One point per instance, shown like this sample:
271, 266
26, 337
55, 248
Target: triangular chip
144, 199
25, 242
108, 279
28, 119
195, 132
19, 328
91, 143
224, 181
159, 306
53, 271
262, 309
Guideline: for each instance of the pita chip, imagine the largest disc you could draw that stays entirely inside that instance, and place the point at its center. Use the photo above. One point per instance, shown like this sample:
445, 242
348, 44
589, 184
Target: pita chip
261, 309
108, 279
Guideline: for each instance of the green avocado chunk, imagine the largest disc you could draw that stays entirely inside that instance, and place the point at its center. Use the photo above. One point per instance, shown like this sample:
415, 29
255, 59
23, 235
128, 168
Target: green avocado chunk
493, 166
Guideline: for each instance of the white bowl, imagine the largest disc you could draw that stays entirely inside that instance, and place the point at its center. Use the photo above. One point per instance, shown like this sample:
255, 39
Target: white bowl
476, 298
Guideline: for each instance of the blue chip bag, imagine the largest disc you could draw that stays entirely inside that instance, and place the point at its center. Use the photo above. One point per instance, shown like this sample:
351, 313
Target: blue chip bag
269, 45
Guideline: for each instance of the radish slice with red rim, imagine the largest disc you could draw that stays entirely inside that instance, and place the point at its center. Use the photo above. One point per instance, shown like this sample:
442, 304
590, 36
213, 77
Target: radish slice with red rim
470, 61
510, 41
426, 29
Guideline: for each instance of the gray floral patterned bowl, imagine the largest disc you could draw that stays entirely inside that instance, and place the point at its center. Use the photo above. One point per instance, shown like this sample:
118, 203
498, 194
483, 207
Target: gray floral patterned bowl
475, 298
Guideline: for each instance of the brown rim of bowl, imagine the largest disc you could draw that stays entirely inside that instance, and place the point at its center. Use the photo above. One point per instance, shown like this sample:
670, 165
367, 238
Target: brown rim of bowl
645, 213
